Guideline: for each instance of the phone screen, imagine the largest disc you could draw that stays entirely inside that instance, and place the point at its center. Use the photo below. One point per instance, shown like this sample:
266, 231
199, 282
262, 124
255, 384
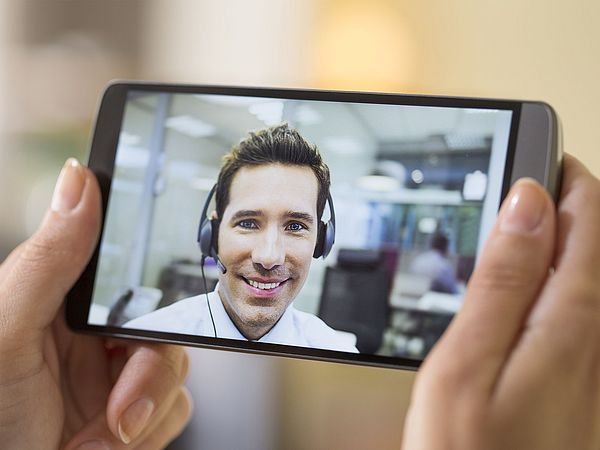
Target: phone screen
414, 190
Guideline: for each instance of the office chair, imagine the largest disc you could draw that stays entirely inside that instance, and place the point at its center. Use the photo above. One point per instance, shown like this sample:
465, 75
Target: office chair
355, 297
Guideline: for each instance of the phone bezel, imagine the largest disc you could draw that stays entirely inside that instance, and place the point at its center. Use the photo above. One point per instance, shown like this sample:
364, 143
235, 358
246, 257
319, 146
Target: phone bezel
542, 141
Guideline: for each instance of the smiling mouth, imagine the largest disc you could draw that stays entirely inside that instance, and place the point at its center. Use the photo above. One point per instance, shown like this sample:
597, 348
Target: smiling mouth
263, 286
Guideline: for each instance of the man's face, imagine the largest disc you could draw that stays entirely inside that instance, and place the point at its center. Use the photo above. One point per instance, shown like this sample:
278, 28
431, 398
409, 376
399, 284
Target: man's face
266, 240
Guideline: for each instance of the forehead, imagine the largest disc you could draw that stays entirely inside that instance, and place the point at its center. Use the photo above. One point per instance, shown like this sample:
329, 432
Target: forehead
272, 187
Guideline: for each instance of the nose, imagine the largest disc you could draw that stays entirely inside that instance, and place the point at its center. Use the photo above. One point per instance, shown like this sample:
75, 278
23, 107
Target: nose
269, 251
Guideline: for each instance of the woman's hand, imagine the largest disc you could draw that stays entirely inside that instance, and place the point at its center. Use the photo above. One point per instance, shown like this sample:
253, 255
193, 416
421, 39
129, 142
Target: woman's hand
60, 389
519, 367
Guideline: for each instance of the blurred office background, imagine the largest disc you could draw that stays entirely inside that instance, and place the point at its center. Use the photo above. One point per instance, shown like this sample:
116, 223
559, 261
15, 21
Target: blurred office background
55, 57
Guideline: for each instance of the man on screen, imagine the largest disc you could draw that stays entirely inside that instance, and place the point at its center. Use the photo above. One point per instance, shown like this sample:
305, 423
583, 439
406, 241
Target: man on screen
270, 196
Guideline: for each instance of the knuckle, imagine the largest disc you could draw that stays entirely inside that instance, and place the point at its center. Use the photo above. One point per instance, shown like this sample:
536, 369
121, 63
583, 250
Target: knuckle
459, 389
39, 249
36, 250
172, 360
158, 361
448, 376
511, 263
500, 276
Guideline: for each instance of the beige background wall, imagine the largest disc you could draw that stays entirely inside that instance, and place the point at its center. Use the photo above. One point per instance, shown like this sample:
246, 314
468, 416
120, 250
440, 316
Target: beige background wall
539, 50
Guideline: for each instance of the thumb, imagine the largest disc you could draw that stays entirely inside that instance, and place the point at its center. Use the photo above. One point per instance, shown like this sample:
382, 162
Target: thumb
504, 286
36, 277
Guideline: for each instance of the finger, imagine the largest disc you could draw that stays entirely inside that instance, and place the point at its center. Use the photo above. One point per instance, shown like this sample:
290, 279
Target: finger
573, 292
46, 266
172, 425
166, 426
151, 375
578, 221
558, 352
512, 268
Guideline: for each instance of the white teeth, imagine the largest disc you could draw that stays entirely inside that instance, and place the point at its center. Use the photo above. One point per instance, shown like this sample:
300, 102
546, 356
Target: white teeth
262, 285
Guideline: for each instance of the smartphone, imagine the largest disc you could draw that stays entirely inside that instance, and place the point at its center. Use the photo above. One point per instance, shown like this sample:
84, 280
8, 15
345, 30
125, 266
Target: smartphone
336, 226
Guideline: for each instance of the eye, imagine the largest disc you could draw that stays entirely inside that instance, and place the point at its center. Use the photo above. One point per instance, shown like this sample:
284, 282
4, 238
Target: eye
295, 226
247, 224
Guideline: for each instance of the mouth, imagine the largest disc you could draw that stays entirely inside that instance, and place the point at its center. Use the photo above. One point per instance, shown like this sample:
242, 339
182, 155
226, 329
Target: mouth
264, 287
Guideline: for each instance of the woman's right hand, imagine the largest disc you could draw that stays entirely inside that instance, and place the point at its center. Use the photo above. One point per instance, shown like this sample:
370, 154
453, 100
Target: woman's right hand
519, 366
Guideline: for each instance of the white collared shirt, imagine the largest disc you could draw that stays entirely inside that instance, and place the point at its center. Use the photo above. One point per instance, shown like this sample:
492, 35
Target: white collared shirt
191, 316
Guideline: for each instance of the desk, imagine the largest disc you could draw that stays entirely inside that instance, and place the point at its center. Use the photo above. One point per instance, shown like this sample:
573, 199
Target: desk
418, 322
428, 302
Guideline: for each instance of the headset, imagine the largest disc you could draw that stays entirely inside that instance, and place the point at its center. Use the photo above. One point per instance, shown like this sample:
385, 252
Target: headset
208, 231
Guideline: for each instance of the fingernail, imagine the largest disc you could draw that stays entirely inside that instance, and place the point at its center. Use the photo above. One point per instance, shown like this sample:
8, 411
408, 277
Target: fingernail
525, 208
134, 419
69, 186
94, 445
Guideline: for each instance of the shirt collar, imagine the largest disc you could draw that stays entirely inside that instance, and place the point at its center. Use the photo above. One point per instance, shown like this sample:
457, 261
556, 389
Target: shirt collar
281, 332
223, 323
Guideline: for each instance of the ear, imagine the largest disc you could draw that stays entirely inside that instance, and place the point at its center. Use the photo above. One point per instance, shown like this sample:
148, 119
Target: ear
214, 215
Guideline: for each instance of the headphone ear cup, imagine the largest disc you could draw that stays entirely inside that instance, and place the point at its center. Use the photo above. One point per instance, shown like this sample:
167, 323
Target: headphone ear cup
328, 239
214, 236
206, 238
320, 240
325, 240
325, 233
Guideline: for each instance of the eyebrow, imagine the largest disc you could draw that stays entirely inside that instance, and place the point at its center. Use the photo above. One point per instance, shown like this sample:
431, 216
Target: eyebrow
245, 214
300, 216
248, 213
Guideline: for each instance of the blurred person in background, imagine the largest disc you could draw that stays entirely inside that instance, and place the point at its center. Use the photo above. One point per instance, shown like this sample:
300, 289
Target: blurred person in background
434, 264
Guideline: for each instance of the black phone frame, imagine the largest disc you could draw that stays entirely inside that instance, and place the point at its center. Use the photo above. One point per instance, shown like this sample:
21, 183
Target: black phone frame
102, 158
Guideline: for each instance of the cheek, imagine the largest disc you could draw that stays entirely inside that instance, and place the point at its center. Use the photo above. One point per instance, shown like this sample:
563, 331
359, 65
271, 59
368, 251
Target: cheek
300, 253
233, 246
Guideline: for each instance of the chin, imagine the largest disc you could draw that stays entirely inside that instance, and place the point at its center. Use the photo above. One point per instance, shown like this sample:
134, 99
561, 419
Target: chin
261, 319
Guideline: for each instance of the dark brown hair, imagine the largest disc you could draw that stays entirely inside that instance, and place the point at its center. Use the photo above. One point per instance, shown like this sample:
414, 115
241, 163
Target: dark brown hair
279, 144
439, 242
